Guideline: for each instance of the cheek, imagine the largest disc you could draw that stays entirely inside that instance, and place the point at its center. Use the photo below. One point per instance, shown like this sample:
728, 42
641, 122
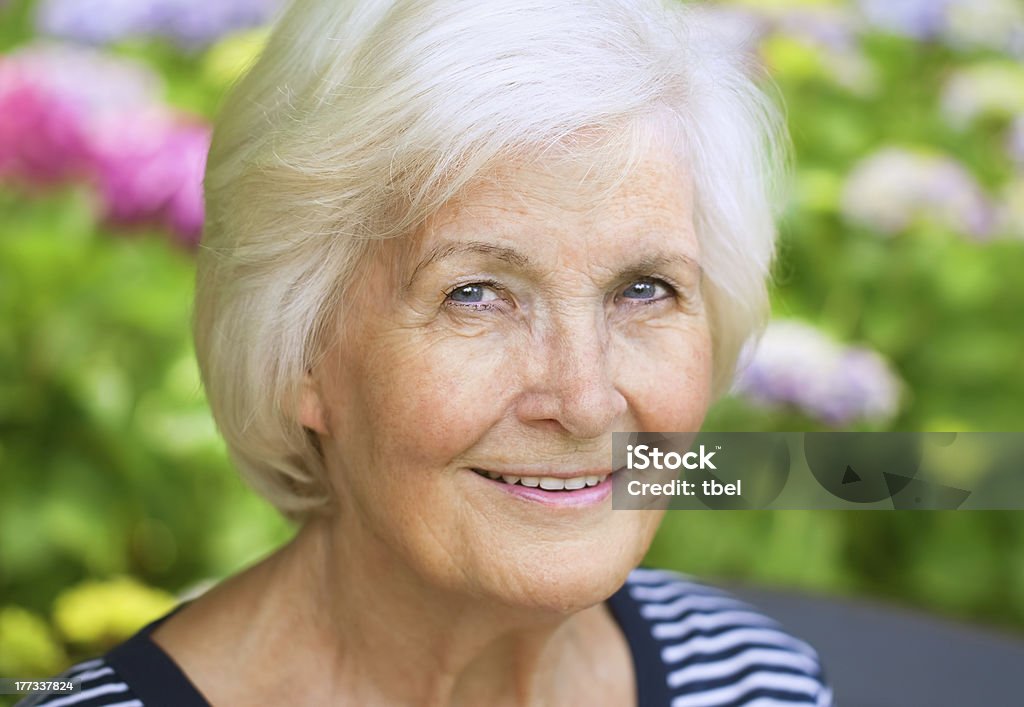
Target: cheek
669, 386
434, 397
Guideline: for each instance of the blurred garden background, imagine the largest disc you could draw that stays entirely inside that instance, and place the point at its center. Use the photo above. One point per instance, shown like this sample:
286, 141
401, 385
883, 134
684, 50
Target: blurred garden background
899, 305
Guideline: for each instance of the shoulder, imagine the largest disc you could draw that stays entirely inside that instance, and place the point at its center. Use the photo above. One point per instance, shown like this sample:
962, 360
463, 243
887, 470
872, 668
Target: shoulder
709, 648
100, 685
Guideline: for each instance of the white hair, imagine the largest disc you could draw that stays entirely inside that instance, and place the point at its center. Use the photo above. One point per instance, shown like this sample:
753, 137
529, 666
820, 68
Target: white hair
362, 117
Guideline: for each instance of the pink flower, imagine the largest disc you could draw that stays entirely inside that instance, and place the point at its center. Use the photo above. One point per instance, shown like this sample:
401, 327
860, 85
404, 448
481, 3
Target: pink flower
76, 113
149, 169
50, 98
41, 138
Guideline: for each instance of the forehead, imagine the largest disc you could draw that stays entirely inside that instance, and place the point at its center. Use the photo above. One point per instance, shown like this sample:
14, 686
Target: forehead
554, 206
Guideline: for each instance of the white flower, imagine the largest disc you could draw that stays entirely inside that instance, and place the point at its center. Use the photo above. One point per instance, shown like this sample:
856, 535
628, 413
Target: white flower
988, 89
796, 365
895, 188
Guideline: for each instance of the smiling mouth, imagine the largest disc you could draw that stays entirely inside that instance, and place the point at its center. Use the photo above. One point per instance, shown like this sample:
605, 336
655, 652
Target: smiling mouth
547, 483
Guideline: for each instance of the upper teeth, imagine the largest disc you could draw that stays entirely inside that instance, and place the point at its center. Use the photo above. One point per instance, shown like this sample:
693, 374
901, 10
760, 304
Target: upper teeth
549, 483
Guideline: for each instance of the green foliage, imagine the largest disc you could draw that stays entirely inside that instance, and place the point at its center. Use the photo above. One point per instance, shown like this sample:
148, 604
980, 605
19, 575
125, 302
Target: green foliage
111, 463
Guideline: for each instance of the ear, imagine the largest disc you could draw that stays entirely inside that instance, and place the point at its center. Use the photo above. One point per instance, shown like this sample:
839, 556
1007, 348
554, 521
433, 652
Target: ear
312, 411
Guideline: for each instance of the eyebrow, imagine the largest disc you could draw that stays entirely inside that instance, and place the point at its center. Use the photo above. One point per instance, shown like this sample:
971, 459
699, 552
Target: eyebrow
645, 265
441, 252
642, 267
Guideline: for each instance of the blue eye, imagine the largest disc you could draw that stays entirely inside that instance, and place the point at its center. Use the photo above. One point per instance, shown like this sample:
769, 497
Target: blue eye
473, 293
648, 289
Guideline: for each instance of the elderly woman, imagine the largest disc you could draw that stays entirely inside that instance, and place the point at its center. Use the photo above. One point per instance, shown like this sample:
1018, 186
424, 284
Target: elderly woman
451, 246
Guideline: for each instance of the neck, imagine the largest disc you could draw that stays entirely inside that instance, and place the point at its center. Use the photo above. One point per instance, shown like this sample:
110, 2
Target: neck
389, 637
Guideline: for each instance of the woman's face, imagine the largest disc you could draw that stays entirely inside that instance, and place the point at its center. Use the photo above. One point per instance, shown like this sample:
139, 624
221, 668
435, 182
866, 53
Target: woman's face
512, 335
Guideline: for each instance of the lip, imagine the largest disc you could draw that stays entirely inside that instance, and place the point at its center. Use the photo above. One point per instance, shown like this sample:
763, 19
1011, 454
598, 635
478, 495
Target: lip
555, 474
579, 498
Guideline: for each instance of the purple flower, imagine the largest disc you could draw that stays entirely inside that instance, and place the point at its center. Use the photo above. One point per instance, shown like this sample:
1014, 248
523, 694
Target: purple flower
895, 189
75, 113
50, 97
41, 141
192, 24
197, 23
91, 21
919, 19
148, 167
831, 28
795, 365
990, 24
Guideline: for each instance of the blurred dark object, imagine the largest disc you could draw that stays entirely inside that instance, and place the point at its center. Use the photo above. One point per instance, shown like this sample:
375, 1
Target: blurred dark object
882, 656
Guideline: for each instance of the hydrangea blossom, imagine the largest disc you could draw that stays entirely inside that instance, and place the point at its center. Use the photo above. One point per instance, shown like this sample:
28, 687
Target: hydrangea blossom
990, 24
796, 365
40, 139
831, 34
893, 189
986, 89
193, 24
920, 19
91, 21
72, 112
149, 167
835, 33
834, 27
51, 96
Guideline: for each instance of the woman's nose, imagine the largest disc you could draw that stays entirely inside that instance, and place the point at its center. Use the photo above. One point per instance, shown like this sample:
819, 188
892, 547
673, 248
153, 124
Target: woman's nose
572, 380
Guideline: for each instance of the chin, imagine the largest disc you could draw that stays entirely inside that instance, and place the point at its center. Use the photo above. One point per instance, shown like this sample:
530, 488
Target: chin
567, 579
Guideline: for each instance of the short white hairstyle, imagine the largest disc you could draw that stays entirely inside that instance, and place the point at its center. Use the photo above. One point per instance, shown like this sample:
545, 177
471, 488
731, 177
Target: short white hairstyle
362, 117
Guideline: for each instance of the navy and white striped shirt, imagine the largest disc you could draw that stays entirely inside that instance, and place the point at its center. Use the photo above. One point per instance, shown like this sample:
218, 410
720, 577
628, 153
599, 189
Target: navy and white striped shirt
692, 646
696, 646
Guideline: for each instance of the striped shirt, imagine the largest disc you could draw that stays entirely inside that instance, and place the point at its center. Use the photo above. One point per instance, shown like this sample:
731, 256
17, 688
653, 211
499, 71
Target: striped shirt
692, 646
